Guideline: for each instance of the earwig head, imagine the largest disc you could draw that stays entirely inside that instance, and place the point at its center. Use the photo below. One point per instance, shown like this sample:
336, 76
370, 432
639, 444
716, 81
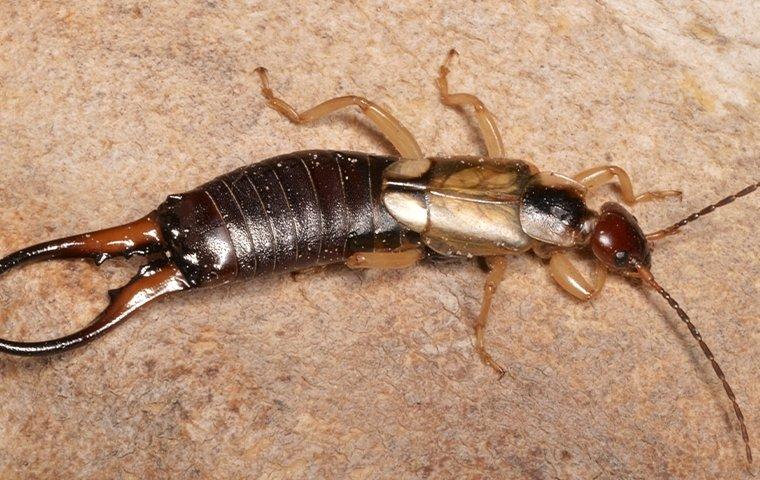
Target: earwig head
619, 244
617, 240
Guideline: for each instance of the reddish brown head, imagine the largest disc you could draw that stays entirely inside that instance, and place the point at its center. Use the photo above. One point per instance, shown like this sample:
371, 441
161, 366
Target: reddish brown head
619, 244
617, 240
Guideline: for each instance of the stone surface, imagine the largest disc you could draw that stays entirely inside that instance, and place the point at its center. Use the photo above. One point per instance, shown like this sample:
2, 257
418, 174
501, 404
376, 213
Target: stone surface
107, 108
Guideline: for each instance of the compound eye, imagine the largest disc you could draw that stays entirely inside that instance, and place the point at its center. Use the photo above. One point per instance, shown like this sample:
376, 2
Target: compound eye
621, 259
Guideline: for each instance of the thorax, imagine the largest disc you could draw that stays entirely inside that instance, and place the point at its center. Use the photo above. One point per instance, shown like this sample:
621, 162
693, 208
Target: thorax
460, 205
475, 206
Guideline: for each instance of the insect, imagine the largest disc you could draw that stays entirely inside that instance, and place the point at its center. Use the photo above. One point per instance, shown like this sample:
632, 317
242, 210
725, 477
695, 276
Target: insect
313, 208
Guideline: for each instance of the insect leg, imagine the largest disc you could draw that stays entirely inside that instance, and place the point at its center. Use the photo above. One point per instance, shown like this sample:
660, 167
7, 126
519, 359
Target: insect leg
299, 275
497, 266
486, 120
597, 176
572, 281
387, 260
391, 127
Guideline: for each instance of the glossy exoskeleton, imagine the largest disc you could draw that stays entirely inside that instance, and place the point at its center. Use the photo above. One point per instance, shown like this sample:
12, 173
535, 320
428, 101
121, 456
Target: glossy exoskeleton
312, 208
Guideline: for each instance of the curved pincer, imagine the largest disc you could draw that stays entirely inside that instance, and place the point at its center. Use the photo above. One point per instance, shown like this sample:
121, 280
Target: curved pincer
152, 281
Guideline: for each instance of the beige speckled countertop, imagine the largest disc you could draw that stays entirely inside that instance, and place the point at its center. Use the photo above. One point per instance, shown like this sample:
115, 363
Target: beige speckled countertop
105, 108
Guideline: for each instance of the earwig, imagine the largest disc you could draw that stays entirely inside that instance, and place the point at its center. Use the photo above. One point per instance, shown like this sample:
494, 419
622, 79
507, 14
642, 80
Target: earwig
307, 209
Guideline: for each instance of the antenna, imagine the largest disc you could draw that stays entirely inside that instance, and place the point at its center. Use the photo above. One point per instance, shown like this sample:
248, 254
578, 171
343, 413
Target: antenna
708, 209
646, 276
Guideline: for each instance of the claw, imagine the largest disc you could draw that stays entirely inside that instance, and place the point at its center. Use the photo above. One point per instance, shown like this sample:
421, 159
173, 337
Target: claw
142, 236
160, 278
153, 280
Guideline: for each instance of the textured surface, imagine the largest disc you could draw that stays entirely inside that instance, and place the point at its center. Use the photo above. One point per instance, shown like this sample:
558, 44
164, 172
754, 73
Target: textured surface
105, 109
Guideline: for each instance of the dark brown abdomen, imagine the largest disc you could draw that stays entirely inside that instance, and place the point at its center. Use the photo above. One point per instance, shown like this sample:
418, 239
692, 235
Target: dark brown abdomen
286, 213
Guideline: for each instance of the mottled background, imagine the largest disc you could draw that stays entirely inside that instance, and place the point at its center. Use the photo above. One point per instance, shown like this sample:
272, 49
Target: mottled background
105, 108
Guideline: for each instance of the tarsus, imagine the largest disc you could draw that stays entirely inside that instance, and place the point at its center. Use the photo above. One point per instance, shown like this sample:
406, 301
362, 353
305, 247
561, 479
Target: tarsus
708, 209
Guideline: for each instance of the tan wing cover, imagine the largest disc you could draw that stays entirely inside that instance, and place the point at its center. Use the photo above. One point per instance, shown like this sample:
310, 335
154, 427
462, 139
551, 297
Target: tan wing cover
460, 205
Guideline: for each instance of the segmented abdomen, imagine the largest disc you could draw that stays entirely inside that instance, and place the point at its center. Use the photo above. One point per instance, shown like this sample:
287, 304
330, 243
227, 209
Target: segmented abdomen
286, 213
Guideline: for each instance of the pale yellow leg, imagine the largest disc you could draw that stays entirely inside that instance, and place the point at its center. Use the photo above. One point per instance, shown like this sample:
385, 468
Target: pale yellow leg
386, 260
388, 125
571, 280
486, 120
597, 176
497, 266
